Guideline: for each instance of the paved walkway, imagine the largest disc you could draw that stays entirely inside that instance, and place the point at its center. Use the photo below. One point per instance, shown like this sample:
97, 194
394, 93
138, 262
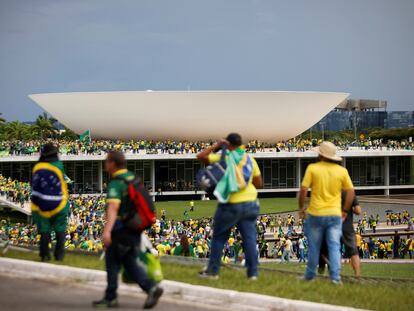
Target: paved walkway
32, 295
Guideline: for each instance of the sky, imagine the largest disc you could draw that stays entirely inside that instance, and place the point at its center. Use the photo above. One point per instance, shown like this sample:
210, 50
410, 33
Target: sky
364, 47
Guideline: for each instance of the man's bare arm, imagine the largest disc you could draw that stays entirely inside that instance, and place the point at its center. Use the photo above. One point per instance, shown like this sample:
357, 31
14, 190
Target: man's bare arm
357, 210
303, 192
111, 215
350, 194
257, 182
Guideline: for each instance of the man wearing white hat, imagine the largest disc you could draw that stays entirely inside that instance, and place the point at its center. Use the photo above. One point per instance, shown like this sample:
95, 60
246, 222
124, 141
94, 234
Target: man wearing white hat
327, 178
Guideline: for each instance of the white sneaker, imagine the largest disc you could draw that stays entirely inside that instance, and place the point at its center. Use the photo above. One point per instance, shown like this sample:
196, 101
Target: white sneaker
252, 278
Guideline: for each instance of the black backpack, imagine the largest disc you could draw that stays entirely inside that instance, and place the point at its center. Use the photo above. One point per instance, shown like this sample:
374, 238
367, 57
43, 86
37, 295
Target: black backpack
209, 176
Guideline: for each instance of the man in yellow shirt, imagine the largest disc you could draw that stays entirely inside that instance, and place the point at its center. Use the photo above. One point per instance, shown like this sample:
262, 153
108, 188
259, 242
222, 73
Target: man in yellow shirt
410, 244
390, 247
241, 207
327, 179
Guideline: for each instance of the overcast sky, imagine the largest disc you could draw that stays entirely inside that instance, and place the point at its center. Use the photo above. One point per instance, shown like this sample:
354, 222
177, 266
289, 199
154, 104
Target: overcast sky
364, 47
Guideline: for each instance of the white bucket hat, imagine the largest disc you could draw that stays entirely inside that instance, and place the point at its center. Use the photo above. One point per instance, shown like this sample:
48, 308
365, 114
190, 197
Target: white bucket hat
328, 150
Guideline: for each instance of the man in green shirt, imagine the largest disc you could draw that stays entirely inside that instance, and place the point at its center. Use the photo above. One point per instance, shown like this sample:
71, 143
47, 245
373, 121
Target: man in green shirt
122, 244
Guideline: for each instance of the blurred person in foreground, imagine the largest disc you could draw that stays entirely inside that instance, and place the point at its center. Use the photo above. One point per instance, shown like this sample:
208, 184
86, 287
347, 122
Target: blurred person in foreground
348, 239
238, 205
122, 244
327, 178
50, 201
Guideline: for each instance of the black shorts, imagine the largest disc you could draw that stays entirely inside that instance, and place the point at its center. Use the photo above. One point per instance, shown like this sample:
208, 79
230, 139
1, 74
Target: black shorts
348, 239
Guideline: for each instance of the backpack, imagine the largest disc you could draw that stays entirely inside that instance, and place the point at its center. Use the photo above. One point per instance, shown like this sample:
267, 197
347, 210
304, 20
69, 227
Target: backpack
208, 177
141, 213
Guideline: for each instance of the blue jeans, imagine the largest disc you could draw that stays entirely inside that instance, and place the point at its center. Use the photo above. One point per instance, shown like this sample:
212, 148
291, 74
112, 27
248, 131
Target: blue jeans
285, 256
316, 228
244, 215
301, 255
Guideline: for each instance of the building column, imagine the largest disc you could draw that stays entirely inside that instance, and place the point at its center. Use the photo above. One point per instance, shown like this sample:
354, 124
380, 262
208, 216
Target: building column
154, 191
100, 177
387, 175
298, 172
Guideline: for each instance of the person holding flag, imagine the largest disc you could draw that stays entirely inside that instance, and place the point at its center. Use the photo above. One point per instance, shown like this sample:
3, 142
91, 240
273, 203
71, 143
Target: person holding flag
86, 137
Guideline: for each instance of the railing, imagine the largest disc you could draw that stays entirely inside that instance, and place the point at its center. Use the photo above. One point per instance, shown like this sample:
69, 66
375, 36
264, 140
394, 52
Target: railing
25, 209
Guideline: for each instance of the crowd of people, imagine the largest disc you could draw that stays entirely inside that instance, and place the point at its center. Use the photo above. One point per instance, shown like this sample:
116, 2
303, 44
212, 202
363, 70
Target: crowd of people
84, 230
391, 248
99, 147
237, 233
14, 190
192, 237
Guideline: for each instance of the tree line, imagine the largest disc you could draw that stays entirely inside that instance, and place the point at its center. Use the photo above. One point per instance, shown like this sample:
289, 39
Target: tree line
44, 127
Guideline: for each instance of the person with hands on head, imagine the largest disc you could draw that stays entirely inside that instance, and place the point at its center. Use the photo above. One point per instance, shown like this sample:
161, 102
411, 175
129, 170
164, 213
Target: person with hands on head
238, 205
327, 178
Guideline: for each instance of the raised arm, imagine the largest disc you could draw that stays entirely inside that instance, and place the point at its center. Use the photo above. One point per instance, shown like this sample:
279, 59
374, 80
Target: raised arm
203, 155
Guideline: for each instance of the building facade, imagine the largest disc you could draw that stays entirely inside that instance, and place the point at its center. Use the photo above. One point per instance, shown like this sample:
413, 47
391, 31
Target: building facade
174, 175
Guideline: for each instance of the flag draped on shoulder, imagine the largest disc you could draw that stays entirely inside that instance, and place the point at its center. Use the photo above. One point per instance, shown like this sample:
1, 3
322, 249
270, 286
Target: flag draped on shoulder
237, 176
49, 190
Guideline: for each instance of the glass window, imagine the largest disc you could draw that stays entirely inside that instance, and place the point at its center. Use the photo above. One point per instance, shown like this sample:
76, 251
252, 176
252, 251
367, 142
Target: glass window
368, 171
401, 170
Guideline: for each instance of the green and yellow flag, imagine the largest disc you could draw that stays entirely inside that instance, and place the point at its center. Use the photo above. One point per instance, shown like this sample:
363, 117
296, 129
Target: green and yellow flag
86, 137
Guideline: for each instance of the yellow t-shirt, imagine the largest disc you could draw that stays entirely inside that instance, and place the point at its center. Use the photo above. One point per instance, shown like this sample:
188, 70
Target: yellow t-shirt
247, 194
327, 180
358, 239
161, 249
389, 246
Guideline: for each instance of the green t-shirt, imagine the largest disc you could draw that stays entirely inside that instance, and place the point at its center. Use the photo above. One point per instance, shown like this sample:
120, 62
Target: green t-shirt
178, 251
118, 192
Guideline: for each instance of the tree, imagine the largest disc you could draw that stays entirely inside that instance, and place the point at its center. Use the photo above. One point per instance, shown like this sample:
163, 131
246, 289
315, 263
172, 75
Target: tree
2, 120
16, 130
45, 126
68, 134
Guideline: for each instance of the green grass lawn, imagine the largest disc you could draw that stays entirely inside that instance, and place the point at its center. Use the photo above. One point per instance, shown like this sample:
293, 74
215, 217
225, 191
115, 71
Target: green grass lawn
401, 271
382, 296
175, 209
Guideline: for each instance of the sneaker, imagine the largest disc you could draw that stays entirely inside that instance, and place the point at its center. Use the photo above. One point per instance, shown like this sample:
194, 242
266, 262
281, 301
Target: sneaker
105, 303
207, 275
304, 279
252, 278
337, 282
153, 296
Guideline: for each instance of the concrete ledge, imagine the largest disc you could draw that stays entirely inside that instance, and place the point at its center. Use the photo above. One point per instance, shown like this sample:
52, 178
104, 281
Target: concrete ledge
226, 299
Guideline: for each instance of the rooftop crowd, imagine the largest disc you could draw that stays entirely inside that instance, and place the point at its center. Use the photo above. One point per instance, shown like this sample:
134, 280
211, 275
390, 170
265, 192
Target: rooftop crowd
99, 147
